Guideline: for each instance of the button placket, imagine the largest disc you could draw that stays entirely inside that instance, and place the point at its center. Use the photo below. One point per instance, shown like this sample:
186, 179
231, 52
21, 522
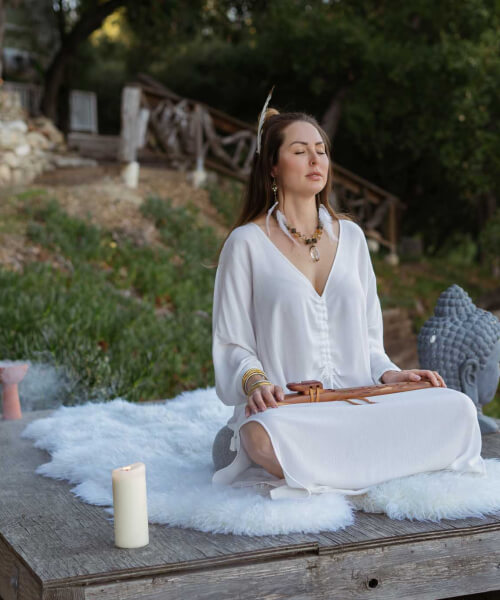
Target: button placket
324, 341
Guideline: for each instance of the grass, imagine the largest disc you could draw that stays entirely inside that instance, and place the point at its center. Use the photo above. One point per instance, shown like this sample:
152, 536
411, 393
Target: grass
135, 321
110, 343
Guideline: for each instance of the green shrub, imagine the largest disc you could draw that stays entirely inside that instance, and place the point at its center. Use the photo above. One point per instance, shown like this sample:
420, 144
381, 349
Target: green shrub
110, 342
490, 240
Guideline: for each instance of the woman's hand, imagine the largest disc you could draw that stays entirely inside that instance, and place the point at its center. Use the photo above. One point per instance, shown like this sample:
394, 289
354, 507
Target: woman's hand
262, 397
413, 375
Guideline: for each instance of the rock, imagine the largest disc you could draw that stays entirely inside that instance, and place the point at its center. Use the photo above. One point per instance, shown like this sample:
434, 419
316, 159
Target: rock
9, 158
37, 140
18, 176
62, 161
10, 106
16, 125
5, 174
373, 245
48, 129
26, 146
392, 259
23, 150
9, 140
38, 168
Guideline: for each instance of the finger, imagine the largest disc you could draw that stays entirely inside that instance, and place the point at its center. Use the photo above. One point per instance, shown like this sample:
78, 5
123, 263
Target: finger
414, 376
270, 399
280, 393
252, 405
432, 377
441, 380
259, 402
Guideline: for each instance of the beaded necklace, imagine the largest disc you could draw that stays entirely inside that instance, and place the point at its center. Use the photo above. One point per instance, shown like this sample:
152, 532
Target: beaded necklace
316, 236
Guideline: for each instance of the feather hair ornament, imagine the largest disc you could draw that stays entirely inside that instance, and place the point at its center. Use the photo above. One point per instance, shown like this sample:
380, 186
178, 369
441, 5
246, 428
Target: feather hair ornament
280, 217
261, 120
325, 218
268, 217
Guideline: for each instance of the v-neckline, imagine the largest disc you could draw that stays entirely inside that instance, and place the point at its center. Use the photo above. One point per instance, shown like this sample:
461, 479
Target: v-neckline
297, 269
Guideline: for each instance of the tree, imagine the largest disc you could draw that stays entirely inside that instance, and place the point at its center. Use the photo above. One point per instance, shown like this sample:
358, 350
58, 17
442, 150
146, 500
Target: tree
3, 14
90, 18
407, 92
2, 30
158, 18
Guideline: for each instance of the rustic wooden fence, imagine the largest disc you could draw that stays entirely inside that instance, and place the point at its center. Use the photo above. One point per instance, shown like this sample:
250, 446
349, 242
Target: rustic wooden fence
158, 125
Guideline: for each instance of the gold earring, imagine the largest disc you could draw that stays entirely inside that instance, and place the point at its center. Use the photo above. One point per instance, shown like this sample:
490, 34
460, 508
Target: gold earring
274, 187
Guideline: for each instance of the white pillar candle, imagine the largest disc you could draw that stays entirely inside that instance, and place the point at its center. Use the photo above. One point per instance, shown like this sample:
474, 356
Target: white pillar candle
130, 506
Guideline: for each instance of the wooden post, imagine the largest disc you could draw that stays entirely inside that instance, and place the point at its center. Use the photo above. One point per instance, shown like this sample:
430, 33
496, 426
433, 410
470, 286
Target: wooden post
199, 175
142, 127
130, 129
392, 258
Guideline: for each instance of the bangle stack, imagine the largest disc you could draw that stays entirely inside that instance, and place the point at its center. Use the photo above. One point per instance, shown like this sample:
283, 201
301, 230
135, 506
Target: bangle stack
258, 384
255, 385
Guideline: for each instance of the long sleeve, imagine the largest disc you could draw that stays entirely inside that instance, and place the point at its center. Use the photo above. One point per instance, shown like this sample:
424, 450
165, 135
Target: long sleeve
379, 361
233, 341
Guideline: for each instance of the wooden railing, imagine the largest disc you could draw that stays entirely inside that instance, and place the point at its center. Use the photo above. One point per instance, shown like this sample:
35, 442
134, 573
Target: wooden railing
187, 134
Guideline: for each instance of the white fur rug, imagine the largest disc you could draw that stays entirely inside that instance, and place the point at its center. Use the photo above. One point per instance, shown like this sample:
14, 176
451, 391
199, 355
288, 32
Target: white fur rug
174, 440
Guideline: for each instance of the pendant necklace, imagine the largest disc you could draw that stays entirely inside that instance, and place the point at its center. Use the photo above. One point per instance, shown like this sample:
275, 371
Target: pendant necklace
312, 241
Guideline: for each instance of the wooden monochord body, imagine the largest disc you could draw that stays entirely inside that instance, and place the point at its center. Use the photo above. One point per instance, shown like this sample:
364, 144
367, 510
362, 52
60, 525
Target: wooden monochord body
313, 391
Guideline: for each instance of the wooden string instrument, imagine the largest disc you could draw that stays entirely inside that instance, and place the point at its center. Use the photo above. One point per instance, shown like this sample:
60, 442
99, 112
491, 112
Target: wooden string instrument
312, 391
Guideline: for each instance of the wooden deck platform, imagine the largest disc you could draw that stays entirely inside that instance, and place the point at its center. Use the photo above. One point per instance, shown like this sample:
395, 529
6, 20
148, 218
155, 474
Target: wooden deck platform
53, 546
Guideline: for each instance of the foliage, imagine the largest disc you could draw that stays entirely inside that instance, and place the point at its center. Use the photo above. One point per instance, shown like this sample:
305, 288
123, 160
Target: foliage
490, 240
124, 320
226, 197
420, 108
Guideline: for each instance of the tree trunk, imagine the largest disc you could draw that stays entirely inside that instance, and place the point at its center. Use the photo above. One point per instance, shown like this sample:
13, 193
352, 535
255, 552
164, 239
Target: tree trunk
331, 117
2, 31
89, 21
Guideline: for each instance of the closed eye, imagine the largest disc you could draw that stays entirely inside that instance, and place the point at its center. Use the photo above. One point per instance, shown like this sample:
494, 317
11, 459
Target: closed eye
304, 152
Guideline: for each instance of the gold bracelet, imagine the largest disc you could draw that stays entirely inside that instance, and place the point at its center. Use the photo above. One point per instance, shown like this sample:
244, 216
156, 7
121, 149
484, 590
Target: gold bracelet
258, 384
263, 378
247, 376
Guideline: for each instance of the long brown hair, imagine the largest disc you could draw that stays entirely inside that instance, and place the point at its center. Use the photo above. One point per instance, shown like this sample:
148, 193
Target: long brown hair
258, 196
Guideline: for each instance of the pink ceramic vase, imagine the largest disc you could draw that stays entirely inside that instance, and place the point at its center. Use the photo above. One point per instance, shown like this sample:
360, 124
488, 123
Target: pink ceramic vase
10, 376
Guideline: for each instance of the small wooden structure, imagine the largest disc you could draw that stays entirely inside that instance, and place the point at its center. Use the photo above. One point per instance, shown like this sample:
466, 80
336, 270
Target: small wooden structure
52, 546
83, 111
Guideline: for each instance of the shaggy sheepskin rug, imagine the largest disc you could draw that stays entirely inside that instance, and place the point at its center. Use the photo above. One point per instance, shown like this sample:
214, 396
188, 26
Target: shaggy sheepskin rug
174, 440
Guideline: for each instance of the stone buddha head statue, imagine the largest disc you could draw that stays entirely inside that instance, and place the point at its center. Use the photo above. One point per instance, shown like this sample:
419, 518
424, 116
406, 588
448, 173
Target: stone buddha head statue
462, 342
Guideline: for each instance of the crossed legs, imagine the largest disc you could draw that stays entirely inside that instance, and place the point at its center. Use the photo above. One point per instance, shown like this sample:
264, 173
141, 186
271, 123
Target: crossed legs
259, 448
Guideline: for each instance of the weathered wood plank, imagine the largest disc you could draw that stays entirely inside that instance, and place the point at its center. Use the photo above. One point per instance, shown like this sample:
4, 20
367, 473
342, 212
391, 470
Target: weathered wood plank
63, 538
453, 566
74, 593
69, 546
130, 129
17, 580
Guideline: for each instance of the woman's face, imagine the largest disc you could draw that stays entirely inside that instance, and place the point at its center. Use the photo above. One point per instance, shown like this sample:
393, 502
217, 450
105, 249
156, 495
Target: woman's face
301, 154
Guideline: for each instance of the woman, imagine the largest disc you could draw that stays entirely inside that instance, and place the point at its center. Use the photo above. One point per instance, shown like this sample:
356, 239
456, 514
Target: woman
295, 299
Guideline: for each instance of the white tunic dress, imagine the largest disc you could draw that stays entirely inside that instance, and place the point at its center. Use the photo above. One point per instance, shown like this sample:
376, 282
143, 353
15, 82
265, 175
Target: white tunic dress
267, 314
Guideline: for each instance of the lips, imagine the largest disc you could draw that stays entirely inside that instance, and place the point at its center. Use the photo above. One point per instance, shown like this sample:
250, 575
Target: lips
314, 173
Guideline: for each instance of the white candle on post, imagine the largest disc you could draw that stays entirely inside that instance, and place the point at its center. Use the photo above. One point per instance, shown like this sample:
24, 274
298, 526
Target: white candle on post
130, 506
